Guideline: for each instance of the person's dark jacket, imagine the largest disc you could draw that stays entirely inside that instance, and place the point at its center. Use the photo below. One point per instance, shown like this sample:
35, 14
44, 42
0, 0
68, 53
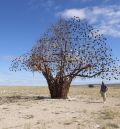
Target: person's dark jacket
104, 87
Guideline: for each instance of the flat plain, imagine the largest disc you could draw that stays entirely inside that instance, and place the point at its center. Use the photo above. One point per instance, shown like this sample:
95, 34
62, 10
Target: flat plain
32, 108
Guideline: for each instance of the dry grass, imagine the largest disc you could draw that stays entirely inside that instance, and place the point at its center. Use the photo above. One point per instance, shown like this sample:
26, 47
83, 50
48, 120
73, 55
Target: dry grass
110, 114
85, 110
113, 91
23, 91
74, 90
111, 126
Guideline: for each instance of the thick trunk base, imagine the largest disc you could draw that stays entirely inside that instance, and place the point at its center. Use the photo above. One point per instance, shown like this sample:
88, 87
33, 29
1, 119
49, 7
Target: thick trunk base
59, 92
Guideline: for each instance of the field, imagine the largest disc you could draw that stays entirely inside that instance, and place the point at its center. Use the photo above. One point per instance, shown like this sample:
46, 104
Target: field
31, 108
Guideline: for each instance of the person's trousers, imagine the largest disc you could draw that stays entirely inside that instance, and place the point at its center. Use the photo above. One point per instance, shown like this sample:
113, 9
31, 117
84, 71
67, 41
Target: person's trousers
103, 94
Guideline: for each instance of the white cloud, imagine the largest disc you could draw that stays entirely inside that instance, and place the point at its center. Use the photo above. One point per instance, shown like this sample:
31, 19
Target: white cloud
74, 12
106, 18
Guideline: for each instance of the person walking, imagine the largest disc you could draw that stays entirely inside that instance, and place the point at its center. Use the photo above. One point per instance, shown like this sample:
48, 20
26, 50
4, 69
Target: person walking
103, 91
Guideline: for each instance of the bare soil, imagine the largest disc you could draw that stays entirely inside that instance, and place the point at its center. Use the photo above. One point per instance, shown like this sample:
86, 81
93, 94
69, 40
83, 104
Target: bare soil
32, 108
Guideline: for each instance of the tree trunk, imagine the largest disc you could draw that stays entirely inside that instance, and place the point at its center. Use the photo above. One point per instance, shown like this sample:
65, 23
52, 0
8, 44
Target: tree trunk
58, 87
59, 90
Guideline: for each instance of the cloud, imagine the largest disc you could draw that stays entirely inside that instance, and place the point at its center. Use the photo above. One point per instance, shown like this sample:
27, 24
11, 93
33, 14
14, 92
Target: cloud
106, 18
74, 12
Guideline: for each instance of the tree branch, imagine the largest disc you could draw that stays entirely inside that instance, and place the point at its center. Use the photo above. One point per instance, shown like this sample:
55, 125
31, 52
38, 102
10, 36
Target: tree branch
77, 70
90, 76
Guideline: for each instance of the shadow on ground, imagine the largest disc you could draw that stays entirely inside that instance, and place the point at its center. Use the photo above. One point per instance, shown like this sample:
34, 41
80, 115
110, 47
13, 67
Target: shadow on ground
94, 102
12, 99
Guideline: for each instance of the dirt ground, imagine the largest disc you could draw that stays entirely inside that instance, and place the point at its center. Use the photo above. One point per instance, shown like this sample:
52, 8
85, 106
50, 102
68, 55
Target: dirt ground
31, 108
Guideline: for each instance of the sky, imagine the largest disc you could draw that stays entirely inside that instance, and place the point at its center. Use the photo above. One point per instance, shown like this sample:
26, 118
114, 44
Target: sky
22, 22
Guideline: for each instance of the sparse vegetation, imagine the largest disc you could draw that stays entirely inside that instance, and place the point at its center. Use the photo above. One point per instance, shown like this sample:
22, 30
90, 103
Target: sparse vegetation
108, 117
111, 126
109, 114
33, 104
90, 85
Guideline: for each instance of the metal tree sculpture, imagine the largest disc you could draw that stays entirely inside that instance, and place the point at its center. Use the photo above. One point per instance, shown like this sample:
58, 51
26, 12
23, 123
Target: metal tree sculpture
70, 48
